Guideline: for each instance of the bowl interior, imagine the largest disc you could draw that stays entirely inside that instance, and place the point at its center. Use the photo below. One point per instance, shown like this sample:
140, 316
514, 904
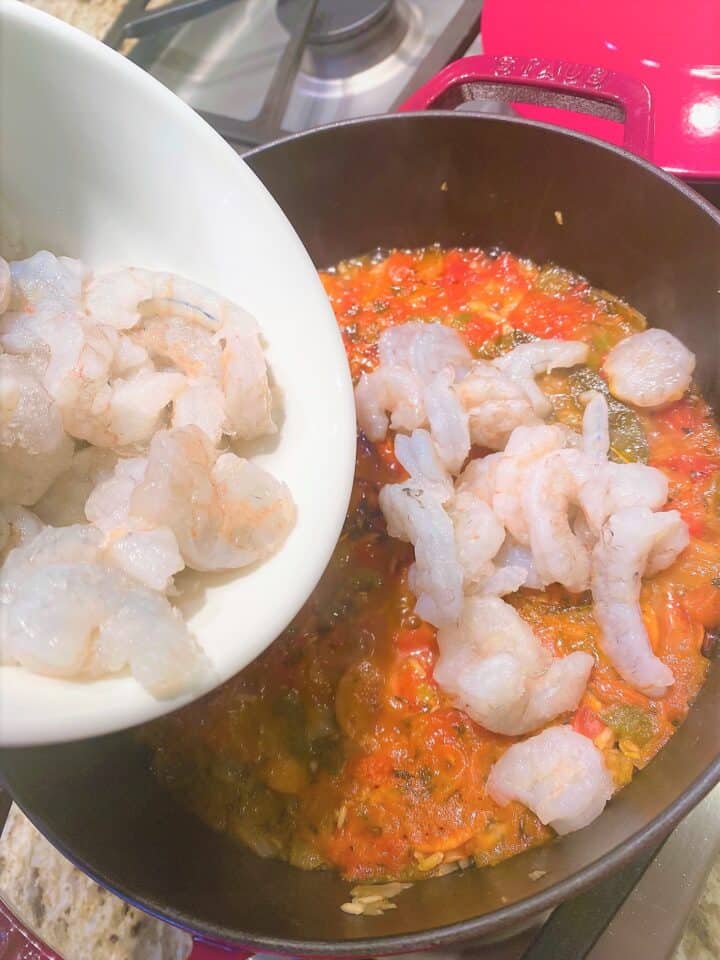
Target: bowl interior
103, 163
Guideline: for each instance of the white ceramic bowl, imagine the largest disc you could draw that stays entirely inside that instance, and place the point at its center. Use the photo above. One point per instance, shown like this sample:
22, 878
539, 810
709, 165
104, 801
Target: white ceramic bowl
101, 162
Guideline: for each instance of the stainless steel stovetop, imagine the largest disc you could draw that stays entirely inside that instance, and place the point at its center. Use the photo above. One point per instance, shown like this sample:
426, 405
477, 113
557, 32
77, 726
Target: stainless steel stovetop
257, 69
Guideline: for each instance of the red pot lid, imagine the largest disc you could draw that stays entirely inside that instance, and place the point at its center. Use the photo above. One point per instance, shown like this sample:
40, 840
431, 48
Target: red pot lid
673, 47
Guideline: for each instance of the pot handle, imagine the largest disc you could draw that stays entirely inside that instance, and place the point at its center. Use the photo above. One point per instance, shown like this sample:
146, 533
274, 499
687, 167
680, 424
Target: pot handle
548, 83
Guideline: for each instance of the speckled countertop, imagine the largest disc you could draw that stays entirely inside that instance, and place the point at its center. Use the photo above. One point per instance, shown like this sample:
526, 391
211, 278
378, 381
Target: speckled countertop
84, 922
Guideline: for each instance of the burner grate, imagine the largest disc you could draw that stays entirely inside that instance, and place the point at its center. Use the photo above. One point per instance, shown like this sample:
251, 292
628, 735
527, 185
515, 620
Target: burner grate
261, 70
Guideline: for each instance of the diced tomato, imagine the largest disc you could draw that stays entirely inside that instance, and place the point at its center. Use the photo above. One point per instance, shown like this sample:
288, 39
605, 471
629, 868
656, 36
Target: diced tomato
408, 642
587, 722
456, 268
683, 415
695, 464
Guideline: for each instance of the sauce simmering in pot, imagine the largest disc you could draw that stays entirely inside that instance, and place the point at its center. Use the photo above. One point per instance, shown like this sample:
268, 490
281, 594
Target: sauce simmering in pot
336, 748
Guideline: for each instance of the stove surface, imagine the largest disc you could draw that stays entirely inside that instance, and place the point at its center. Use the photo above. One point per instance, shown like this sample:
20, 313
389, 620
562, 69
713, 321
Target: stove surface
360, 58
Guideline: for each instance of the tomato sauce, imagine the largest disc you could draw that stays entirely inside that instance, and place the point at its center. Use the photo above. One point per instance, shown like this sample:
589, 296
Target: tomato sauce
336, 748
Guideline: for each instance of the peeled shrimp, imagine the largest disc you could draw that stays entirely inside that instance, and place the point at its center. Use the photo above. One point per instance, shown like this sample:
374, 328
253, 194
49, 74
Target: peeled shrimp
84, 620
559, 774
34, 448
17, 527
198, 333
448, 420
495, 403
244, 380
480, 477
188, 347
414, 512
596, 427
550, 491
515, 557
389, 390
149, 554
478, 537
628, 541
607, 487
649, 369
64, 502
436, 578
201, 403
45, 278
136, 406
524, 451
529, 360
411, 356
225, 512
423, 348
121, 297
501, 394
418, 455
67, 613
496, 670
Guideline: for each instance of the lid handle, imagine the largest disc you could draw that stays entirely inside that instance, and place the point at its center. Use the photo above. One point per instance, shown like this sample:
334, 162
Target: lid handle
548, 83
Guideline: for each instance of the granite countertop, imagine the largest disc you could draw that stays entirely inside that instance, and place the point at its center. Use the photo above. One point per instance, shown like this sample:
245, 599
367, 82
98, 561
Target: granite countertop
84, 922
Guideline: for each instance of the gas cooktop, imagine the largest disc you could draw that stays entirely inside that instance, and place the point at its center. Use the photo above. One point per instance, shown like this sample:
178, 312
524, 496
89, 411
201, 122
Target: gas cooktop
257, 69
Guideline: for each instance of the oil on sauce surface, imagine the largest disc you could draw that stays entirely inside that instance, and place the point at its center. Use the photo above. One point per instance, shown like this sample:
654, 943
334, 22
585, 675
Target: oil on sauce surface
336, 748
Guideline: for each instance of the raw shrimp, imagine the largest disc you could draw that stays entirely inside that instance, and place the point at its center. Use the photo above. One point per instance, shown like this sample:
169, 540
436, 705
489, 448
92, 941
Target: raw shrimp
201, 403
5, 285
187, 347
389, 390
595, 427
495, 404
418, 455
121, 297
150, 557
559, 774
501, 394
17, 527
34, 448
417, 516
414, 512
607, 487
244, 379
496, 670
529, 360
516, 557
551, 489
630, 542
129, 358
649, 369
78, 361
448, 420
150, 554
480, 477
64, 502
199, 334
45, 278
424, 348
525, 449
83, 620
136, 406
412, 355
478, 537
225, 512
